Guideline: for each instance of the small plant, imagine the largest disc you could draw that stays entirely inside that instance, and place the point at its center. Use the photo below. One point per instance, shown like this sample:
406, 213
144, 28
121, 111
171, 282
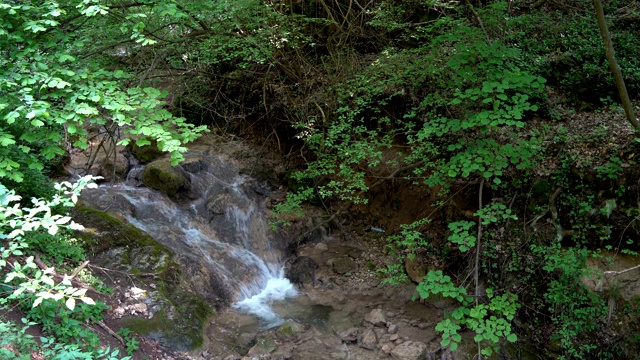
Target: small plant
17, 344
491, 322
131, 343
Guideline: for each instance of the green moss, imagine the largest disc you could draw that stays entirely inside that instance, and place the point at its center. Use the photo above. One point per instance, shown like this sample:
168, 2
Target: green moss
161, 176
289, 329
113, 231
181, 331
179, 322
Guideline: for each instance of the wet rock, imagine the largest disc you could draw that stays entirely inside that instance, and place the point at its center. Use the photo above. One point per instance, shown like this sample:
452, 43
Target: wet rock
410, 350
218, 204
368, 340
160, 175
343, 265
302, 270
376, 317
260, 171
245, 340
263, 346
289, 330
349, 336
193, 165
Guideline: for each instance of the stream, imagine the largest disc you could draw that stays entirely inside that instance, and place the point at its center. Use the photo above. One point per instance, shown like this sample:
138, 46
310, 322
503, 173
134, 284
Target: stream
221, 225
218, 229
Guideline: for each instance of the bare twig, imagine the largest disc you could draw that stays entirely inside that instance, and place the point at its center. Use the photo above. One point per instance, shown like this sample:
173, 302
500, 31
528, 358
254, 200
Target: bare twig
478, 246
612, 272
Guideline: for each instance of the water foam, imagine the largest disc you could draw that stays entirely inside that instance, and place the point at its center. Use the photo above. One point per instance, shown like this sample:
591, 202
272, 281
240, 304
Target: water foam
276, 289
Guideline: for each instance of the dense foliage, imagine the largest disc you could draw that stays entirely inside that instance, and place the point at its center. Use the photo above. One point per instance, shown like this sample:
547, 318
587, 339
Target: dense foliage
481, 99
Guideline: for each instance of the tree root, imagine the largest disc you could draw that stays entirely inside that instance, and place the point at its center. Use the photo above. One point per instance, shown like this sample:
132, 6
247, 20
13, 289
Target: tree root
561, 233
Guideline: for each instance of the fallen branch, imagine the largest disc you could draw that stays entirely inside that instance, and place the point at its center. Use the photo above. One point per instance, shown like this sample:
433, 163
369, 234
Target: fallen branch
612, 272
111, 332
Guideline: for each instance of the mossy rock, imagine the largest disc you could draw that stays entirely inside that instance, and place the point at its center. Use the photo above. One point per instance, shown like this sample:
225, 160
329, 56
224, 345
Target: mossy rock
147, 153
263, 346
180, 314
160, 175
179, 326
120, 246
289, 330
104, 231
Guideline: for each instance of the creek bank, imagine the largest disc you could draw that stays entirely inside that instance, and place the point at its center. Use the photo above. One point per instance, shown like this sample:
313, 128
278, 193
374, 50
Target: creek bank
339, 315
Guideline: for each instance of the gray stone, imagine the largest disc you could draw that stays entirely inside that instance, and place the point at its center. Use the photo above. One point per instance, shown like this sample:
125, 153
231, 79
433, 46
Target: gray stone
410, 350
393, 328
368, 340
376, 317
263, 346
387, 348
343, 265
302, 270
349, 336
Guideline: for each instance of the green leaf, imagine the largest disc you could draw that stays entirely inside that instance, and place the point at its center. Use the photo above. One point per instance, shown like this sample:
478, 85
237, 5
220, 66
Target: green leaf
512, 338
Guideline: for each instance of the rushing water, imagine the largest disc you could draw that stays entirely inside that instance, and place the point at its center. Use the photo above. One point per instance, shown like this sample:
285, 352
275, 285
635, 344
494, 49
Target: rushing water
221, 226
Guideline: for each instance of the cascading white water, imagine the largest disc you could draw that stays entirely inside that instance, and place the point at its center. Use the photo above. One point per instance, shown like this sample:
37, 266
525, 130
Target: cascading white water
234, 244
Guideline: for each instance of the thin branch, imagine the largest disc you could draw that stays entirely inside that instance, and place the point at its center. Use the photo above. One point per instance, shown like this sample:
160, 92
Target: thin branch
478, 246
612, 272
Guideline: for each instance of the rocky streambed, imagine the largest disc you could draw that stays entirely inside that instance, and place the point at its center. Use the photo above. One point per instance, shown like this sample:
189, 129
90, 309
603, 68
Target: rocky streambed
343, 313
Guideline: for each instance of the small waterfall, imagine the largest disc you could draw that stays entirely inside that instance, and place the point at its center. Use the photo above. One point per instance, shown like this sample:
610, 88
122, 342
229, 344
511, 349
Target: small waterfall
222, 227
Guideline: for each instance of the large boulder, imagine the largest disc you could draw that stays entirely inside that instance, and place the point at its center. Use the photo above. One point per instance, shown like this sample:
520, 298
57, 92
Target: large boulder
172, 313
302, 270
160, 175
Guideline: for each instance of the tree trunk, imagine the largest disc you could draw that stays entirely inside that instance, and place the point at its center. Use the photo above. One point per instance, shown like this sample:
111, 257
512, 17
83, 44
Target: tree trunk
615, 69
